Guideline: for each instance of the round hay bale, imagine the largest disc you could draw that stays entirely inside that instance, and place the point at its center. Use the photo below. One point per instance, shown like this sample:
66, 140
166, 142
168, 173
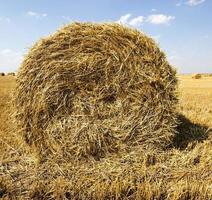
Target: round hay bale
2, 74
196, 76
89, 89
11, 74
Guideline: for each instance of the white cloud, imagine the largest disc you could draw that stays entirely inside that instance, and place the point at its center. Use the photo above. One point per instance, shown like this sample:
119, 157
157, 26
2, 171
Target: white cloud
5, 19
137, 21
10, 59
30, 13
194, 2
5, 51
124, 19
36, 14
127, 20
153, 10
159, 19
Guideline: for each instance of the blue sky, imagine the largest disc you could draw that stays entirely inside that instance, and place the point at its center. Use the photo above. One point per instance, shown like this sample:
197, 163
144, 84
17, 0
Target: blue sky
183, 28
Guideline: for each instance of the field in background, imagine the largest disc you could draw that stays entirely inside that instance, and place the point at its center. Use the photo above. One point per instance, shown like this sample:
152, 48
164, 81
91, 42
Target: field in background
196, 99
195, 106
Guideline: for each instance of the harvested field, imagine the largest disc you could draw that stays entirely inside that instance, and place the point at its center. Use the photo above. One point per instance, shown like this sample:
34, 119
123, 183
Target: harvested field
121, 155
180, 172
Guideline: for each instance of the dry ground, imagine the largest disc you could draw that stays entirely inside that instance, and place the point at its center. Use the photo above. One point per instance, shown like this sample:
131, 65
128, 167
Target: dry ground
184, 171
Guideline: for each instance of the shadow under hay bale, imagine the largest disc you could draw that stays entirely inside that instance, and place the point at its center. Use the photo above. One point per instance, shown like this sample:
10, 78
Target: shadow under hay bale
93, 89
189, 133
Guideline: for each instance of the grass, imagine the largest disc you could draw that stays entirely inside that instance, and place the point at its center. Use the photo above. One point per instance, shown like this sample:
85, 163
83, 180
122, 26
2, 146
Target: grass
182, 171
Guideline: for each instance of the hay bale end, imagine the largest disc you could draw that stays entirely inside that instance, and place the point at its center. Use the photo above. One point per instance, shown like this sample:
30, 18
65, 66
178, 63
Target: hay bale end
11, 74
91, 89
197, 76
